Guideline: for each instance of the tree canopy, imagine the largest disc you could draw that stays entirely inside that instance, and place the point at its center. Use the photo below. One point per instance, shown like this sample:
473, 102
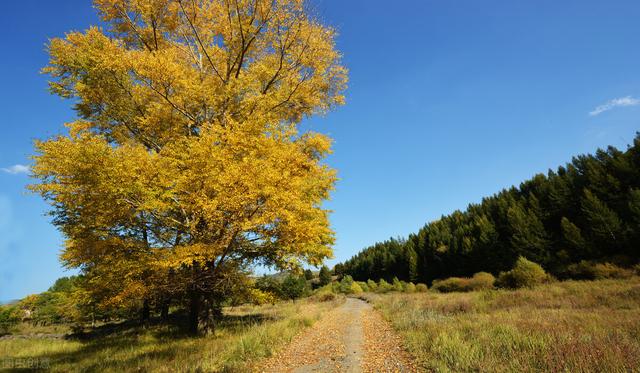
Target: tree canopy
185, 164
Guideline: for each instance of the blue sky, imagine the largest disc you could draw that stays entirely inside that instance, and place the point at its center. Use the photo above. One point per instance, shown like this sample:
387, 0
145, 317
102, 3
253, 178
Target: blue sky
448, 101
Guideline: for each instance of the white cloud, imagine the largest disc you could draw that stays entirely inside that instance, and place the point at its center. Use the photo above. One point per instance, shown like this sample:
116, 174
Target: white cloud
16, 169
616, 102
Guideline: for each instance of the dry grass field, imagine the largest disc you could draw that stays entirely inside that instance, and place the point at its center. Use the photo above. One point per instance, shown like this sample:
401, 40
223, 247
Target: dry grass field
246, 335
572, 326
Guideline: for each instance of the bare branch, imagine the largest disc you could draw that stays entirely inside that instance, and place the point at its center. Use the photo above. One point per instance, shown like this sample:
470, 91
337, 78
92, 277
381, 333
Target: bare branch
204, 50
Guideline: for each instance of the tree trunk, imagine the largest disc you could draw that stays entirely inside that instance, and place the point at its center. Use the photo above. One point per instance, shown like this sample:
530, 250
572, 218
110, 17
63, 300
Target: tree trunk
194, 312
164, 310
146, 312
212, 314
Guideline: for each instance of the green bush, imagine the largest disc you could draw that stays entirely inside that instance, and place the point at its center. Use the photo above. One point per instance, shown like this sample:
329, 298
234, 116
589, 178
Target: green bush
9, 316
421, 288
384, 287
586, 270
397, 285
525, 273
479, 281
482, 281
294, 287
451, 284
372, 285
345, 284
363, 286
268, 284
325, 293
355, 288
324, 277
410, 288
335, 287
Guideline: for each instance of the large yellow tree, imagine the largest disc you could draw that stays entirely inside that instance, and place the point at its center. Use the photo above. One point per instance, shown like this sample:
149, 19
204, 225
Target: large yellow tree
185, 163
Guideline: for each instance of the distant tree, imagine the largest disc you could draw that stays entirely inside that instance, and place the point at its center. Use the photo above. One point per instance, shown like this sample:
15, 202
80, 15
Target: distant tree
572, 236
585, 210
604, 224
270, 285
634, 205
528, 236
324, 276
308, 274
294, 287
411, 260
634, 224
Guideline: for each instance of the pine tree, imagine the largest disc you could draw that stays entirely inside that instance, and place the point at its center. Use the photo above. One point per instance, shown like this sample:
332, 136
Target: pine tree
528, 236
324, 276
634, 207
603, 223
308, 275
572, 237
411, 260
550, 219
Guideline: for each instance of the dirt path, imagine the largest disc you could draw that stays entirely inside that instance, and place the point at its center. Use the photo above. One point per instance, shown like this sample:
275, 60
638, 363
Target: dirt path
350, 338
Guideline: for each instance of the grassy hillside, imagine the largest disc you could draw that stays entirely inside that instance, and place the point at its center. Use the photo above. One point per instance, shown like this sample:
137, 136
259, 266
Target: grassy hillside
572, 326
246, 334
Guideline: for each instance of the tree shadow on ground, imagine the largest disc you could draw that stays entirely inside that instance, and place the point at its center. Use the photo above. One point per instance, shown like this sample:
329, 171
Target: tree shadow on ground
128, 344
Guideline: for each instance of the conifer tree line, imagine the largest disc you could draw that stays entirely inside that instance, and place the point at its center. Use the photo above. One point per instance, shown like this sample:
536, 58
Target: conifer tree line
588, 209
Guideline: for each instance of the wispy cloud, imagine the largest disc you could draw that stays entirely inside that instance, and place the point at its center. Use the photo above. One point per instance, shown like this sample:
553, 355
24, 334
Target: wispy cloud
616, 102
16, 169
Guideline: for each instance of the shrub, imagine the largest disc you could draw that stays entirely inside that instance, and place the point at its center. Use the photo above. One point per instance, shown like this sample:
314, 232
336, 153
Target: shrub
479, 281
410, 288
268, 284
259, 297
363, 286
482, 281
372, 285
335, 287
384, 287
451, 284
294, 287
586, 270
345, 284
397, 285
9, 315
421, 288
525, 273
325, 295
355, 288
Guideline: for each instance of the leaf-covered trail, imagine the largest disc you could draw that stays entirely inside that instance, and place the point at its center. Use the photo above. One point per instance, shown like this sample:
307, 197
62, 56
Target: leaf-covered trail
350, 338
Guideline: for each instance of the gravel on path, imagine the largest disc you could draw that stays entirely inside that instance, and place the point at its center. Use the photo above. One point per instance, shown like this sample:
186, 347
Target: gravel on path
351, 338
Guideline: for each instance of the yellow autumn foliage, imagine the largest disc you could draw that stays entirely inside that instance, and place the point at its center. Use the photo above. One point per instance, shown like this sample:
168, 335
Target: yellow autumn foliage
186, 148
